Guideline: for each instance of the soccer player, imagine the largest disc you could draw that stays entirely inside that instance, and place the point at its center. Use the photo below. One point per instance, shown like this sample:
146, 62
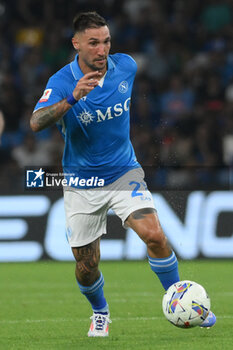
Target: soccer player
89, 100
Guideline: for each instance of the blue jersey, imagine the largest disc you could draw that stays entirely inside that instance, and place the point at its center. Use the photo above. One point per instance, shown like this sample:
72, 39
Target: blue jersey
96, 129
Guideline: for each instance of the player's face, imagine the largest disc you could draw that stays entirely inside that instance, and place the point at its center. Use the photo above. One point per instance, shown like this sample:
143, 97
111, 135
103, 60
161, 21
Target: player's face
93, 47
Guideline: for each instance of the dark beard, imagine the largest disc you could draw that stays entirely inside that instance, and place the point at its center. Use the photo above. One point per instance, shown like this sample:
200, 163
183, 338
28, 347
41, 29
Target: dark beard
93, 66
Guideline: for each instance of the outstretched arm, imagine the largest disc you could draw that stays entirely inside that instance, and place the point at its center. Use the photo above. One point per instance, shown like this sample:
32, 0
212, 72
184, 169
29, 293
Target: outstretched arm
47, 116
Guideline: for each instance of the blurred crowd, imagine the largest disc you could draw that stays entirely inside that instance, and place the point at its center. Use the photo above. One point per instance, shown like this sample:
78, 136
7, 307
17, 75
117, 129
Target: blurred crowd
182, 104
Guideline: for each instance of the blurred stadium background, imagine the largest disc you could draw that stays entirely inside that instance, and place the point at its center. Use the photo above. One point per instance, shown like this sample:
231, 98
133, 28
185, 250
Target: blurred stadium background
181, 122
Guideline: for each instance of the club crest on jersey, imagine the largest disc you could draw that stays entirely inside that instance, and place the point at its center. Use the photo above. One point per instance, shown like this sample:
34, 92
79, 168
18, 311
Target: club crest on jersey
86, 117
123, 87
46, 95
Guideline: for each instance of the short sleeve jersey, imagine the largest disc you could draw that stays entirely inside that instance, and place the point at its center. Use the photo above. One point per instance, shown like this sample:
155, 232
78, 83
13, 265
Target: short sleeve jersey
96, 129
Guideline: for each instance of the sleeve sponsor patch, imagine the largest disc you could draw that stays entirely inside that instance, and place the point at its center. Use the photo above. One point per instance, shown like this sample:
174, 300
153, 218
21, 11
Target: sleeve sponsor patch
45, 96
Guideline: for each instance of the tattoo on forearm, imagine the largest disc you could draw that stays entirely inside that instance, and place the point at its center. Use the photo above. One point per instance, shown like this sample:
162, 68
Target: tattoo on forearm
141, 213
47, 116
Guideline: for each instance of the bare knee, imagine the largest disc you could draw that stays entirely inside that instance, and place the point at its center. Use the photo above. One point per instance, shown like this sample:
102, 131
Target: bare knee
148, 228
87, 262
155, 238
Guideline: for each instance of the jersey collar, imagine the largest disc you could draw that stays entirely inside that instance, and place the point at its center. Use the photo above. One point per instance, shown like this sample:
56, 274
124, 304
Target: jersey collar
78, 74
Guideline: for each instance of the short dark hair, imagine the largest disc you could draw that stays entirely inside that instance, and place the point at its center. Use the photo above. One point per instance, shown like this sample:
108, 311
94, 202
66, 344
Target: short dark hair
85, 20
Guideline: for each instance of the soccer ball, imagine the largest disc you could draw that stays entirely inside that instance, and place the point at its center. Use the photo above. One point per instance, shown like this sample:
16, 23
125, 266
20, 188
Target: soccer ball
186, 304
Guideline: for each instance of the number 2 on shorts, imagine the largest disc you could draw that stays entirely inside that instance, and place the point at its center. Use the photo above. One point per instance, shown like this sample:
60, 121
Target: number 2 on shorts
135, 192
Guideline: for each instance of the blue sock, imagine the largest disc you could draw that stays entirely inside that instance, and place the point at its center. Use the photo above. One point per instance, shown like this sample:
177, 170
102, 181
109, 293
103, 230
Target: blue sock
166, 269
95, 295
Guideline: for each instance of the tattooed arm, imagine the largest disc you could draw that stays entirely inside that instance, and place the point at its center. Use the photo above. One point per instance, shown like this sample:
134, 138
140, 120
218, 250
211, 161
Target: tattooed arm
47, 116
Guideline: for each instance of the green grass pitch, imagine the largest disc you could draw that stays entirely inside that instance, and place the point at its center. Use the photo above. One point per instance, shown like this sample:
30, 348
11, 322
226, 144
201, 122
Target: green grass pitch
42, 308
